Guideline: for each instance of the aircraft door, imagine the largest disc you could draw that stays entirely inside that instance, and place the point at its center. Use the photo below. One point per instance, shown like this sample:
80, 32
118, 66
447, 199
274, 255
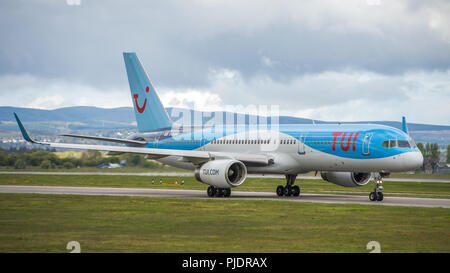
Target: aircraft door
301, 145
366, 144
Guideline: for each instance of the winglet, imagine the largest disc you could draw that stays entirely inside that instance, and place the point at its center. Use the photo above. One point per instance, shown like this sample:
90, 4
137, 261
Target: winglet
404, 125
25, 134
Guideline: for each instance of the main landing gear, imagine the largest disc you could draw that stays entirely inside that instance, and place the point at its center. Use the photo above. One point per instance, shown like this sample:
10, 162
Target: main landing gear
377, 194
289, 189
218, 192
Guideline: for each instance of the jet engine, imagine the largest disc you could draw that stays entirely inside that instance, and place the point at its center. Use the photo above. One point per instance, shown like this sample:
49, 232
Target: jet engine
347, 179
222, 173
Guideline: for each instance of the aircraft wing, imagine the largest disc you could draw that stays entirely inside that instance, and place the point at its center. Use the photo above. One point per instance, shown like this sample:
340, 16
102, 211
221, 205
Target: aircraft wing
196, 157
109, 139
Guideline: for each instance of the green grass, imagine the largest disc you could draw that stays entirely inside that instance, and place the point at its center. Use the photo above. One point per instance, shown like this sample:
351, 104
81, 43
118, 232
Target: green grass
46, 223
421, 175
427, 189
95, 169
166, 168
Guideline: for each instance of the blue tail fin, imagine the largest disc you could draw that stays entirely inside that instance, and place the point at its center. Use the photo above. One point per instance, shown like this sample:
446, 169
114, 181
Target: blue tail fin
150, 113
404, 125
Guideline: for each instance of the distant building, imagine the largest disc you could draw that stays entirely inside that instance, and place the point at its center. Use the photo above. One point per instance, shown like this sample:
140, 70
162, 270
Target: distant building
109, 165
442, 168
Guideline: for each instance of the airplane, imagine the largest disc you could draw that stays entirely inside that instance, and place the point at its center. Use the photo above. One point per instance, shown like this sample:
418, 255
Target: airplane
349, 155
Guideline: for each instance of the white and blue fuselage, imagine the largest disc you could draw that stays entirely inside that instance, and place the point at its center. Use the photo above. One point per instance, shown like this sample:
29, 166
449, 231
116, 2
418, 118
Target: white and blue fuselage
298, 148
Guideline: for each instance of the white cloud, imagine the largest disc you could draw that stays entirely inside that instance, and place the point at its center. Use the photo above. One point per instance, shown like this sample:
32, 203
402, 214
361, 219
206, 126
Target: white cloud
347, 95
36, 92
190, 99
358, 60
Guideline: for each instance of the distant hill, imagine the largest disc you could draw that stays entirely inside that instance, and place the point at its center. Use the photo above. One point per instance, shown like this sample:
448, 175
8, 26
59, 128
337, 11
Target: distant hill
94, 117
76, 114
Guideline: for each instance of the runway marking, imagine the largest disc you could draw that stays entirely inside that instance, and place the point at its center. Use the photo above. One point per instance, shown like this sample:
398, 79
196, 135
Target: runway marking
236, 195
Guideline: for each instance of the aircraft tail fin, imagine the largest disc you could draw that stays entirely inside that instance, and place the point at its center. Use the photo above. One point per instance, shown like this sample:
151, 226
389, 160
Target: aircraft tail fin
150, 113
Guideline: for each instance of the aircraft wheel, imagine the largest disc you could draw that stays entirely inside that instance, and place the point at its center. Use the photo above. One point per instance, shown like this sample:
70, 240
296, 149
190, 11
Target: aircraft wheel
211, 191
226, 192
280, 190
296, 190
372, 196
219, 192
288, 191
380, 196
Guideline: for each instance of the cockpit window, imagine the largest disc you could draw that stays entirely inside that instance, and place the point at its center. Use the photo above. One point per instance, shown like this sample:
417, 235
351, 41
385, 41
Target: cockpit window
392, 143
396, 143
403, 144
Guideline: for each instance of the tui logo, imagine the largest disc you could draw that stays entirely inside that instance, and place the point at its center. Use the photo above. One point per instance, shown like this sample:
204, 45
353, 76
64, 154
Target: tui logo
136, 96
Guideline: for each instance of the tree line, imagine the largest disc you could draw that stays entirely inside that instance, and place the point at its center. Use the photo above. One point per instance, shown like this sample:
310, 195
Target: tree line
431, 155
46, 159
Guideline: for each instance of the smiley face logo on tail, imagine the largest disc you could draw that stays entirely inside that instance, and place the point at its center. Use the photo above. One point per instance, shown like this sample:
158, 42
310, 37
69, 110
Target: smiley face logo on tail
136, 96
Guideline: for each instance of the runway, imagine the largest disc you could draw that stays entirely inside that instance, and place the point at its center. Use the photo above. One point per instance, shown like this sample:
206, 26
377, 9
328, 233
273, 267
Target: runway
184, 174
236, 195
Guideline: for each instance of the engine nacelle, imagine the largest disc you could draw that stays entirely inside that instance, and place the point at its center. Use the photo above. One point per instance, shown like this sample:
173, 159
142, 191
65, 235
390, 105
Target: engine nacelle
222, 173
347, 179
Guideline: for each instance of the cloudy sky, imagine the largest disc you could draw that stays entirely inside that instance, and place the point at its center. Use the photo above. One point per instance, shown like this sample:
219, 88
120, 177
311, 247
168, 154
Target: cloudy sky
362, 60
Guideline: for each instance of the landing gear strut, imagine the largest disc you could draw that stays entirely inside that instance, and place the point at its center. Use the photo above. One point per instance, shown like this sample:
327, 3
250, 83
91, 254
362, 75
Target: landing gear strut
377, 194
289, 189
218, 192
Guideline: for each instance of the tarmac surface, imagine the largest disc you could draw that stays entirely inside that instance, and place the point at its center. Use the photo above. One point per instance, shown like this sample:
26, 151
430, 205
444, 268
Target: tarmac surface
184, 174
236, 195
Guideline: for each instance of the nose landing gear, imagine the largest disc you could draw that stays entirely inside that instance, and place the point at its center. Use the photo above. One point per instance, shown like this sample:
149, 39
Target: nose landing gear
377, 194
289, 189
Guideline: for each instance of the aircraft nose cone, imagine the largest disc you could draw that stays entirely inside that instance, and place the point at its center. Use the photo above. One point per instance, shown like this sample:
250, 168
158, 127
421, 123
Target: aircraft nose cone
414, 160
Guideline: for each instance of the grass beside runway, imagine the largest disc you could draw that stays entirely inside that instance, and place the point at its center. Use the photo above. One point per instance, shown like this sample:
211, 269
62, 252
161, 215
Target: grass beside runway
176, 170
423, 189
46, 223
